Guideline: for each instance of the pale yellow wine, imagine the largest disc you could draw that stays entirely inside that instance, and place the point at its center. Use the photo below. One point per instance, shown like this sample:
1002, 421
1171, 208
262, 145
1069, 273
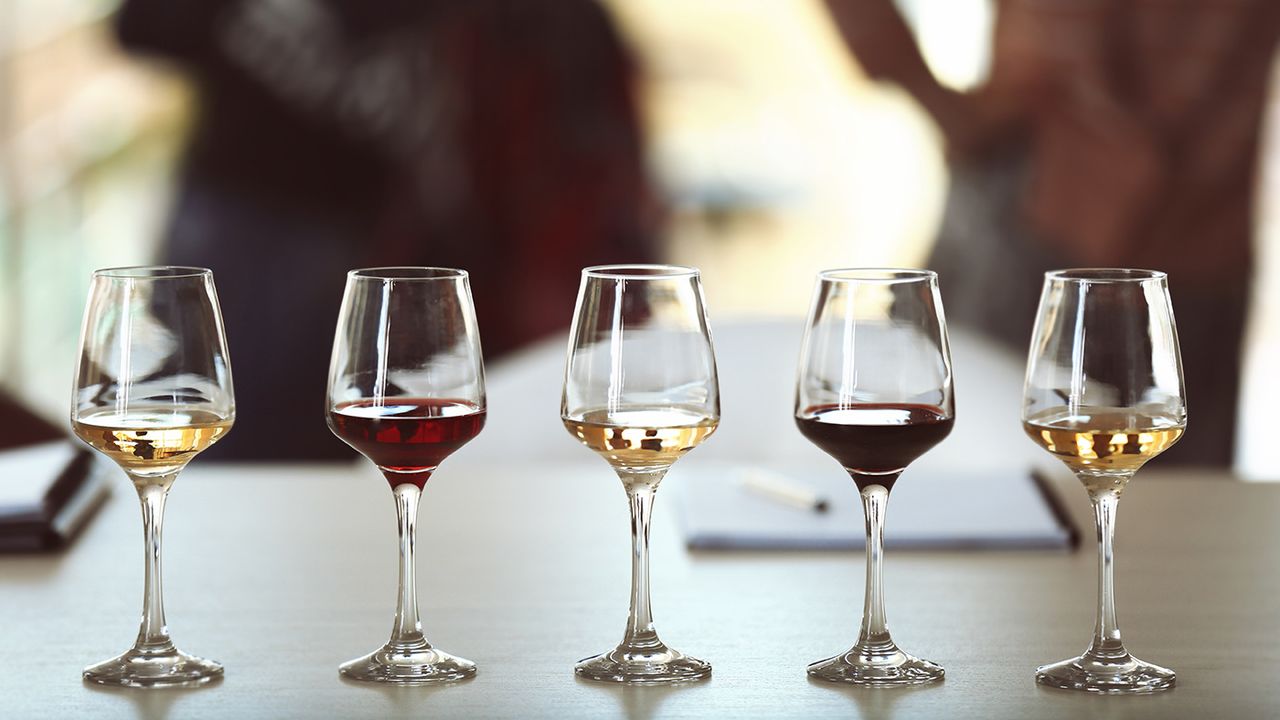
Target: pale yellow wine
1103, 439
641, 439
151, 442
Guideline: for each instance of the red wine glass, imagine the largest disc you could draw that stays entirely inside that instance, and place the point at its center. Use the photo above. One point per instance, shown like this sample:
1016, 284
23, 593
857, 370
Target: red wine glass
406, 389
874, 392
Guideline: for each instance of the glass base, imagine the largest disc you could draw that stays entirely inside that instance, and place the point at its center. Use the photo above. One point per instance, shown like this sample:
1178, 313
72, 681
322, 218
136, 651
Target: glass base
648, 666
168, 668
881, 667
1126, 674
408, 666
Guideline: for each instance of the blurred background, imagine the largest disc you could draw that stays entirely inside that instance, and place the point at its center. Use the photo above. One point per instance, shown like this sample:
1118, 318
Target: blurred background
282, 141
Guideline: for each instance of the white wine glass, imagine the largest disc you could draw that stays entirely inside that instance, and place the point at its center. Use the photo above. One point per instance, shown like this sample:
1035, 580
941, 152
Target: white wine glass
875, 392
1104, 394
640, 390
406, 390
152, 390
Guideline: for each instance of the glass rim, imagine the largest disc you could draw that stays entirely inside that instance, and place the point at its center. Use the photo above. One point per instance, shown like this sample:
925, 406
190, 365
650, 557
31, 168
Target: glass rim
152, 272
407, 273
886, 275
640, 271
1105, 275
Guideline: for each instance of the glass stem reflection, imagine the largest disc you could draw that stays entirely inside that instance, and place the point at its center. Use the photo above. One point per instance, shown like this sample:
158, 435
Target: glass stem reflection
1106, 635
153, 633
641, 488
407, 633
875, 632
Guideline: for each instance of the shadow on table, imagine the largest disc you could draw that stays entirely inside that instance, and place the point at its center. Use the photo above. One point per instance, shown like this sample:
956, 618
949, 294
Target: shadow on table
1117, 707
638, 702
405, 700
152, 703
874, 703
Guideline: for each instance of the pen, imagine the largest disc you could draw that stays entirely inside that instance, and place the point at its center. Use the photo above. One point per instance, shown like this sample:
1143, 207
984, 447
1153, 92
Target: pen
780, 489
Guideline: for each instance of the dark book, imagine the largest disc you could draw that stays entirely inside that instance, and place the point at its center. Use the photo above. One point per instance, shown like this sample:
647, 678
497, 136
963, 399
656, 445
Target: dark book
49, 486
47, 493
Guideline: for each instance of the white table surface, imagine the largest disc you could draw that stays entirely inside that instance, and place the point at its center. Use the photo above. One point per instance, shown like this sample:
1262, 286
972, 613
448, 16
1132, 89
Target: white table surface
282, 572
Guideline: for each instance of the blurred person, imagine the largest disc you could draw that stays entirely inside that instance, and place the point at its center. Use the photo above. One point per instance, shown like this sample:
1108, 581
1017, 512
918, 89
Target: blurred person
498, 136
1112, 133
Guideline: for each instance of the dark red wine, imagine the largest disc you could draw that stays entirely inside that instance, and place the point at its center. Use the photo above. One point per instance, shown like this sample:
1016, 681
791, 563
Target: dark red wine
874, 439
406, 435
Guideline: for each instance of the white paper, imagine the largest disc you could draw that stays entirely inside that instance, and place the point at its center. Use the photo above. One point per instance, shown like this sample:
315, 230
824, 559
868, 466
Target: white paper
927, 509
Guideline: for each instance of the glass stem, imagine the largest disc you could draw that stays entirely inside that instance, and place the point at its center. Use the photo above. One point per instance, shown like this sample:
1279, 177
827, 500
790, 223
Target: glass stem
407, 632
1106, 635
153, 632
641, 489
875, 632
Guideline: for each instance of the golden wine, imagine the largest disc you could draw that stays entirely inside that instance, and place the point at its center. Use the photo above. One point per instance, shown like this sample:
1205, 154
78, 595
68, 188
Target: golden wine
641, 439
151, 442
1103, 439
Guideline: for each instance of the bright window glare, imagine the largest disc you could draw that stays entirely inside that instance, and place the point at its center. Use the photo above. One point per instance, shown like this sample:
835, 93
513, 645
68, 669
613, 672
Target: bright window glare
776, 154
1257, 454
955, 38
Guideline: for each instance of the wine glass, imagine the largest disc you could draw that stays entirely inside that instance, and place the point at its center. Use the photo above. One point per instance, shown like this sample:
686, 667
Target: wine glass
1104, 395
874, 392
406, 389
152, 390
640, 389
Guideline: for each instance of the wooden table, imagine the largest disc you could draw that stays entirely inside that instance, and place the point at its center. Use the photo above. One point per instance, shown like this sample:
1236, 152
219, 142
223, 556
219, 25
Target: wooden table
283, 572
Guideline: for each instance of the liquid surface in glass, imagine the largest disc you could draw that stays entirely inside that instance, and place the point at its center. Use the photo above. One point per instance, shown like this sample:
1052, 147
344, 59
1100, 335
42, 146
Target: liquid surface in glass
878, 439
645, 438
407, 435
1103, 439
151, 441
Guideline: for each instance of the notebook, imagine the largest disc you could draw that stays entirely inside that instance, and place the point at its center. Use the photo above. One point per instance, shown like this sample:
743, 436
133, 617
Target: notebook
47, 492
756, 507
